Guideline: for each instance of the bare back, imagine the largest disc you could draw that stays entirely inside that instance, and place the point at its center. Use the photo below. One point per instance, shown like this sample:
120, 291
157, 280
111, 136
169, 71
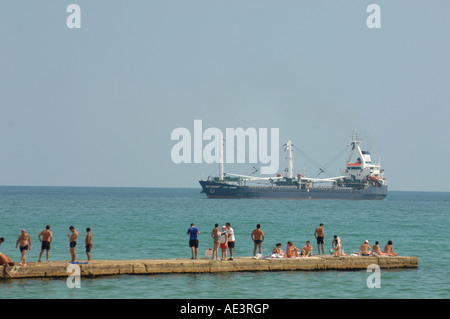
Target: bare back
88, 239
319, 232
364, 248
257, 234
215, 234
46, 235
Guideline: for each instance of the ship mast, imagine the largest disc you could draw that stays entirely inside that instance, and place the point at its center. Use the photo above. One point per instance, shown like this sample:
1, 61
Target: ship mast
289, 165
221, 158
355, 145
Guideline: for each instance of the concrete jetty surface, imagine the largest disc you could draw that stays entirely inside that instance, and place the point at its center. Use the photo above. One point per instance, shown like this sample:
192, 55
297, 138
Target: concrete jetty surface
55, 269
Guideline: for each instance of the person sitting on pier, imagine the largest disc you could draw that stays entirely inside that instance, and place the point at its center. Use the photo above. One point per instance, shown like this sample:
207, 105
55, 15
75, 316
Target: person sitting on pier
337, 249
291, 250
389, 250
365, 249
307, 250
377, 251
278, 251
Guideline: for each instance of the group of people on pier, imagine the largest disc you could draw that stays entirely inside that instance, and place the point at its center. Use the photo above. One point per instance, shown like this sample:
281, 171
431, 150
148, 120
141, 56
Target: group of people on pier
225, 239
24, 243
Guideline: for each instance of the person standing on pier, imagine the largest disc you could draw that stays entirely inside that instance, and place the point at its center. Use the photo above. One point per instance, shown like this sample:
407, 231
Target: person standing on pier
215, 235
88, 242
319, 234
25, 243
224, 242
193, 233
73, 242
258, 238
231, 240
47, 238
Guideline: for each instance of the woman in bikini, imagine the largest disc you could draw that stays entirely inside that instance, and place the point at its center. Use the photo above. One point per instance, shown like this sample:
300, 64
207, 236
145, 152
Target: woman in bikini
215, 235
291, 250
377, 251
389, 250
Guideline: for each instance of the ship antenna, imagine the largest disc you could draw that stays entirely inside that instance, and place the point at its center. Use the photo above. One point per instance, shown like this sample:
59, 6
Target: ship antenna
221, 158
355, 135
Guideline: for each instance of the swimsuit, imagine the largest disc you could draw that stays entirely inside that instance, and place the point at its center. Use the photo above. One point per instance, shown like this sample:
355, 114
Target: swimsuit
45, 245
73, 244
88, 247
193, 243
24, 248
258, 241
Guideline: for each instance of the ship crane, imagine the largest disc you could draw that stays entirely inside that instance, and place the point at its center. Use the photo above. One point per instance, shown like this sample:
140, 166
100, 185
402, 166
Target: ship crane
322, 180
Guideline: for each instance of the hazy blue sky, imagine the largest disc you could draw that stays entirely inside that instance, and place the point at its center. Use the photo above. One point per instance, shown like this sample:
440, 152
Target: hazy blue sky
96, 106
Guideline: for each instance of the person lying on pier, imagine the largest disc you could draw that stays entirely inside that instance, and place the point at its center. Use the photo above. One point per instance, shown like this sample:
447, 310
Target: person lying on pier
307, 250
278, 251
365, 249
291, 250
389, 250
6, 261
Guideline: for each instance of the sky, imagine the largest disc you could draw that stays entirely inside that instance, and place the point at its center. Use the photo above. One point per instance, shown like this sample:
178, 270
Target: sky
96, 105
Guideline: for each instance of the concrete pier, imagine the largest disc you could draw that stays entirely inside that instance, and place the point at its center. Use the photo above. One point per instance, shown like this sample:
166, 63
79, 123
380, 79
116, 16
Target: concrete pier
55, 269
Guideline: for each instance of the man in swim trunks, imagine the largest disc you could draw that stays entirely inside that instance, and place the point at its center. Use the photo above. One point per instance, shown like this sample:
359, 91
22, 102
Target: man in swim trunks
73, 242
88, 242
319, 234
25, 243
365, 249
257, 237
215, 235
307, 249
47, 238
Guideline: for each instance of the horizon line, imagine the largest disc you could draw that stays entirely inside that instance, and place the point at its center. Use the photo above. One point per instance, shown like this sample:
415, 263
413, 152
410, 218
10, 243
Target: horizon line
172, 187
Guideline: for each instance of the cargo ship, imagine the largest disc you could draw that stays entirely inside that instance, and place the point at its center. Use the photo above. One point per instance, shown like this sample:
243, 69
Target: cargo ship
359, 180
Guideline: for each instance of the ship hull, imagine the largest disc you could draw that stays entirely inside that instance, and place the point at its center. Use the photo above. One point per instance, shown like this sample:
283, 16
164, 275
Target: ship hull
225, 190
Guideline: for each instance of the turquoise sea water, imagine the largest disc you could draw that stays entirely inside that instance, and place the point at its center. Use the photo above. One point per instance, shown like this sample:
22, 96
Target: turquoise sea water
135, 223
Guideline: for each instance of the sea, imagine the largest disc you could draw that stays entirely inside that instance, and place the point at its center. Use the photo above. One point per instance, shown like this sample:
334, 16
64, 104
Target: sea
137, 223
